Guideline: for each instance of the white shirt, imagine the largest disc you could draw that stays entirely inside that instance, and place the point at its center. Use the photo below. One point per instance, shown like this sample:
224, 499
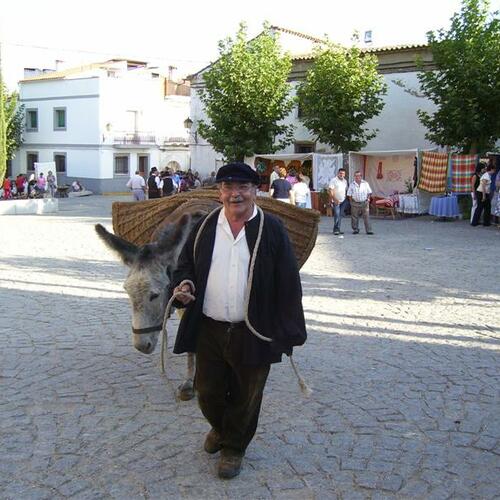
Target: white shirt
136, 182
359, 192
485, 182
339, 188
274, 175
300, 191
228, 275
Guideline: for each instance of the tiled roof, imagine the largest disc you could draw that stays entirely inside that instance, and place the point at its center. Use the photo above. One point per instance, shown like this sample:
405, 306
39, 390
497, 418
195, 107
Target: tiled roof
55, 75
369, 50
298, 34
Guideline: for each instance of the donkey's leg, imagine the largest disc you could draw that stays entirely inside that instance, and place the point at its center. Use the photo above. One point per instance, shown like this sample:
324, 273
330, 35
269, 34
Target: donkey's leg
185, 391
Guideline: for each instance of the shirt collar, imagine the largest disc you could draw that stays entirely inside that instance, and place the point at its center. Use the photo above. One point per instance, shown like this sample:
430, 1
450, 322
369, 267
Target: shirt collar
224, 223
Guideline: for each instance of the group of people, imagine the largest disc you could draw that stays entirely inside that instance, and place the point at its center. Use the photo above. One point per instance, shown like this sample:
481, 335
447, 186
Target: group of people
358, 194
485, 192
290, 187
32, 187
165, 183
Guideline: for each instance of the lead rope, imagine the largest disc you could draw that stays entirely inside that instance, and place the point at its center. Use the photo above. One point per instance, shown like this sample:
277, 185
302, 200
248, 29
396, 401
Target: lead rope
304, 387
164, 339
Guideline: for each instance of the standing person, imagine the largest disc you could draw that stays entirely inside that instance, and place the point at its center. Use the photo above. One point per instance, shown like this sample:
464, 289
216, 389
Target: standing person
154, 184
275, 175
474, 184
21, 184
41, 183
483, 198
51, 183
281, 188
338, 198
246, 315
300, 193
138, 186
168, 184
496, 204
359, 197
6, 188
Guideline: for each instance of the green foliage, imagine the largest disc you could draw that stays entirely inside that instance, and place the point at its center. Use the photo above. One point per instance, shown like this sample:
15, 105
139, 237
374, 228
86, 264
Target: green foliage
342, 91
11, 126
246, 95
3, 133
465, 85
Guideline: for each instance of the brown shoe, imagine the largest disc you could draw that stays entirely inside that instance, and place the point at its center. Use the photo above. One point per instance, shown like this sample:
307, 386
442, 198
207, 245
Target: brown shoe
229, 463
212, 442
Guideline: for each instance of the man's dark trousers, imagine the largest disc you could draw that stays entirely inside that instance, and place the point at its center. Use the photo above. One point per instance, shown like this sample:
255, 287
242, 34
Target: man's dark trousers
229, 393
338, 213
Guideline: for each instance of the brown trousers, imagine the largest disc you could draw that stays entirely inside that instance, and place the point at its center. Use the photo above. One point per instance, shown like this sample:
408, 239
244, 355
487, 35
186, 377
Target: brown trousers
360, 210
229, 393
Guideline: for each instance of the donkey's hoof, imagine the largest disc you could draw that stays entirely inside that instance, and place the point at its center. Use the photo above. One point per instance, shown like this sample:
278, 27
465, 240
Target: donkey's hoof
185, 391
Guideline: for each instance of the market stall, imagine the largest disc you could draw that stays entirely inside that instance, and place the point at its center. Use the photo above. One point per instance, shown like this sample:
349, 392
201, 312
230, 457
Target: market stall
391, 174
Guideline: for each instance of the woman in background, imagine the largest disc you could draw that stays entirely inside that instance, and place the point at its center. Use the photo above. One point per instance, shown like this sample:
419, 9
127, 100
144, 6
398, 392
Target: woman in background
281, 188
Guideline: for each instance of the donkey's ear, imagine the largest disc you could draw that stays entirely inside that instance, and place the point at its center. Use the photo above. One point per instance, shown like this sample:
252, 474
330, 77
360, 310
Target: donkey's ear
174, 235
126, 251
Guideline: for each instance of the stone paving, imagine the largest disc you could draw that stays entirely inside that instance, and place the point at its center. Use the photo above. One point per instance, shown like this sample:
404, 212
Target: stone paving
403, 357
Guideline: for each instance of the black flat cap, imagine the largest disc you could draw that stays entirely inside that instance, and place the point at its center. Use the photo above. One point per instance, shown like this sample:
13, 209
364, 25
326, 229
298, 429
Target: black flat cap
238, 172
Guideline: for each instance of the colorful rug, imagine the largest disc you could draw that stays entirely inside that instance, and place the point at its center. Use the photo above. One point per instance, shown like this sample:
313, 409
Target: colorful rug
433, 172
462, 168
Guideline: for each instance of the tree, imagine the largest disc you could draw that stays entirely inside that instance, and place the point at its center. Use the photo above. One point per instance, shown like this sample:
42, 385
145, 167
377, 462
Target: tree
465, 84
246, 96
341, 92
11, 126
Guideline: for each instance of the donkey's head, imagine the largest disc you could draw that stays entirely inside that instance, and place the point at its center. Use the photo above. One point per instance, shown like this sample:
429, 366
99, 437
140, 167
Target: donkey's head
150, 271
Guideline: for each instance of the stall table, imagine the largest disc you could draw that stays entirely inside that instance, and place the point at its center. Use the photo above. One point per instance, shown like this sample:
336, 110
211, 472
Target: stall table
444, 206
408, 204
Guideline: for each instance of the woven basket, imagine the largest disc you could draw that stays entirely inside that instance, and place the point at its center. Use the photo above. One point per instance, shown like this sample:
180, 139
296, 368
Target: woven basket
137, 222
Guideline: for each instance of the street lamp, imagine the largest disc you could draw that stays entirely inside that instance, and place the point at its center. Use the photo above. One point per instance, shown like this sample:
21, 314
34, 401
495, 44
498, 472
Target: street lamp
188, 125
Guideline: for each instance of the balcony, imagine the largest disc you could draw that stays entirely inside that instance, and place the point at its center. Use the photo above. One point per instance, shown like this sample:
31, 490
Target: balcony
137, 140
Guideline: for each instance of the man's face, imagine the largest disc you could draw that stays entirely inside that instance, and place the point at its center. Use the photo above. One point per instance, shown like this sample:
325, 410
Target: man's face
341, 174
238, 198
357, 178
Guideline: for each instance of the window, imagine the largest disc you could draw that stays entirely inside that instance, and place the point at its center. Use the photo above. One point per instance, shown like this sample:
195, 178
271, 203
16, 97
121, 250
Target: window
32, 120
305, 147
143, 161
60, 161
59, 118
31, 159
121, 164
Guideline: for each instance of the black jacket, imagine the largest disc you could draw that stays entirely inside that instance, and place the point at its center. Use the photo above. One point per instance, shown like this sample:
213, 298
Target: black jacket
275, 308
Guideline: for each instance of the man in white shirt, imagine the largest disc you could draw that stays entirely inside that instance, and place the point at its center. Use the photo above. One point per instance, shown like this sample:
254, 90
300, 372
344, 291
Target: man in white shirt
138, 186
247, 311
338, 192
359, 193
275, 175
483, 198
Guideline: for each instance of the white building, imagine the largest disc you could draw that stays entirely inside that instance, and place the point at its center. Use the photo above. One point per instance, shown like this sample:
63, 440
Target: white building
398, 123
103, 121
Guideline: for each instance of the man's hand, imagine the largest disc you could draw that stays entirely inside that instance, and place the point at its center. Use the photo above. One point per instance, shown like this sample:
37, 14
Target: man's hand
184, 289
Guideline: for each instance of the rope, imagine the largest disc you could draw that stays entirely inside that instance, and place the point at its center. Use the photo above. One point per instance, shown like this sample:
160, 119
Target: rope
306, 390
164, 340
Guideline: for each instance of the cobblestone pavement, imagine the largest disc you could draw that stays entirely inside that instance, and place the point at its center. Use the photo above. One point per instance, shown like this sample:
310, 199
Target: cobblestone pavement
404, 331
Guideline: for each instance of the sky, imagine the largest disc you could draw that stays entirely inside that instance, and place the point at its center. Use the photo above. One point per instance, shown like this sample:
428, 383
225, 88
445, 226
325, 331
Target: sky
185, 33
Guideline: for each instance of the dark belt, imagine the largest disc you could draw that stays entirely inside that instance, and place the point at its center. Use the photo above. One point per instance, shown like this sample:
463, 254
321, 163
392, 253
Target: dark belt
225, 325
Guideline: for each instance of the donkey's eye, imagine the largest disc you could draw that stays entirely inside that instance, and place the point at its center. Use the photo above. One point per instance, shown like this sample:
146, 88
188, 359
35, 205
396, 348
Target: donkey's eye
153, 296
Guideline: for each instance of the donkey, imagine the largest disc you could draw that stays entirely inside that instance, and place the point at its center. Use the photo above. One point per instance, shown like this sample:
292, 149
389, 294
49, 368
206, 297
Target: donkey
150, 272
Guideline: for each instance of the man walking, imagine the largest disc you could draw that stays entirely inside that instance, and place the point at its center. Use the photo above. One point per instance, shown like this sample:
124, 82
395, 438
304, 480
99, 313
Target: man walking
359, 197
138, 186
247, 311
338, 199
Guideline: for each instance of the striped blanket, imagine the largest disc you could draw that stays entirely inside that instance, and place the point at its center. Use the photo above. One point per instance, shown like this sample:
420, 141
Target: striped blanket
433, 172
462, 168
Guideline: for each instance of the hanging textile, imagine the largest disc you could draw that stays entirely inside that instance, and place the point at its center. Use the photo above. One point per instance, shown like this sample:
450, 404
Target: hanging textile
462, 168
433, 172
